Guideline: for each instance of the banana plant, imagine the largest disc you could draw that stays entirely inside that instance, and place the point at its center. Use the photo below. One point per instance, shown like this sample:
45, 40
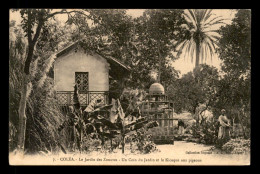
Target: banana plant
96, 118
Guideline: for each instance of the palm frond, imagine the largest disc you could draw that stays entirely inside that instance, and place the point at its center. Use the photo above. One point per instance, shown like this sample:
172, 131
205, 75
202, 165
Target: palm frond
181, 48
215, 23
179, 43
187, 48
202, 52
198, 15
208, 50
190, 20
211, 54
212, 42
186, 15
215, 37
220, 21
211, 31
192, 58
193, 49
211, 20
204, 21
211, 48
193, 15
205, 53
208, 15
201, 15
190, 45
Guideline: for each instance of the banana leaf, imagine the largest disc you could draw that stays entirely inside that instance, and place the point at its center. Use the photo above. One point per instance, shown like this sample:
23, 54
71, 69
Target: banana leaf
107, 123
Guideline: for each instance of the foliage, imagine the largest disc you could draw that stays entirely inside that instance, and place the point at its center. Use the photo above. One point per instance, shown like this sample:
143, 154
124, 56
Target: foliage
235, 51
12, 136
206, 133
142, 142
42, 111
194, 88
110, 30
90, 144
134, 41
94, 122
237, 146
131, 100
145, 44
200, 37
157, 32
43, 115
235, 45
17, 49
230, 91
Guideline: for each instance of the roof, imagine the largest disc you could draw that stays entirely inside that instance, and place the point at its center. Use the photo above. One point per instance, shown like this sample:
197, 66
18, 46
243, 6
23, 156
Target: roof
156, 88
110, 59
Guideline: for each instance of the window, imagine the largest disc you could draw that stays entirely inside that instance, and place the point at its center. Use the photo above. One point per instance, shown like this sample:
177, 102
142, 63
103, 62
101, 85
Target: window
81, 79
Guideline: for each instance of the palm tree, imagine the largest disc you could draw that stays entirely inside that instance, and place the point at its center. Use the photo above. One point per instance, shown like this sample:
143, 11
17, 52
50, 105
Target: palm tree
201, 35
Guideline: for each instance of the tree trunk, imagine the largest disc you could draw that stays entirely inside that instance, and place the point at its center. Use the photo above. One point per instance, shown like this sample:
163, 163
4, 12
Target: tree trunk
22, 114
197, 54
26, 80
240, 121
123, 144
111, 144
22, 105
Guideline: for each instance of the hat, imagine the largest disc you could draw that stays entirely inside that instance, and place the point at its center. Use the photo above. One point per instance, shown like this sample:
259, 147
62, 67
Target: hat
223, 110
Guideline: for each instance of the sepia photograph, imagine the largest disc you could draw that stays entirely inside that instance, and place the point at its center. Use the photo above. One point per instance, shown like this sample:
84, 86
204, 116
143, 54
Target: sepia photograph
129, 87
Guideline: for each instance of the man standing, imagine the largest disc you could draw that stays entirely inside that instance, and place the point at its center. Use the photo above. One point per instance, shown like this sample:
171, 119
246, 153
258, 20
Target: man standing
223, 134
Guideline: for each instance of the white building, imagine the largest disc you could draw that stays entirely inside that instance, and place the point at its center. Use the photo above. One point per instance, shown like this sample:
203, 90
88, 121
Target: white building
90, 70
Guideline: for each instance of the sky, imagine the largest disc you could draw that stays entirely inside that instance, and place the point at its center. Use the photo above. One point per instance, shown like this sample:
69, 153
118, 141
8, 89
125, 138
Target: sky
184, 65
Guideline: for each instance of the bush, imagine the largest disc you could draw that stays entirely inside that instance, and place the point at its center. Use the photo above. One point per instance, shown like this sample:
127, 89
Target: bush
89, 144
43, 117
206, 132
142, 142
237, 146
12, 136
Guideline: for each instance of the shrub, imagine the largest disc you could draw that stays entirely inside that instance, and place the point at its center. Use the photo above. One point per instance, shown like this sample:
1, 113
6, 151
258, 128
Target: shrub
206, 132
90, 144
44, 116
12, 136
237, 146
142, 142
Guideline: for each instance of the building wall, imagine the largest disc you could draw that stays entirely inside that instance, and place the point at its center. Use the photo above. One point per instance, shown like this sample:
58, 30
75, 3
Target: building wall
66, 65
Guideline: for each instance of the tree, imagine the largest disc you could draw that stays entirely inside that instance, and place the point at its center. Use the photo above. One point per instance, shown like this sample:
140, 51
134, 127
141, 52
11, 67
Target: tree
42, 112
195, 88
157, 33
111, 30
135, 41
200, 36
235, 45
235, 51
33, 22
17, 49
31, 18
